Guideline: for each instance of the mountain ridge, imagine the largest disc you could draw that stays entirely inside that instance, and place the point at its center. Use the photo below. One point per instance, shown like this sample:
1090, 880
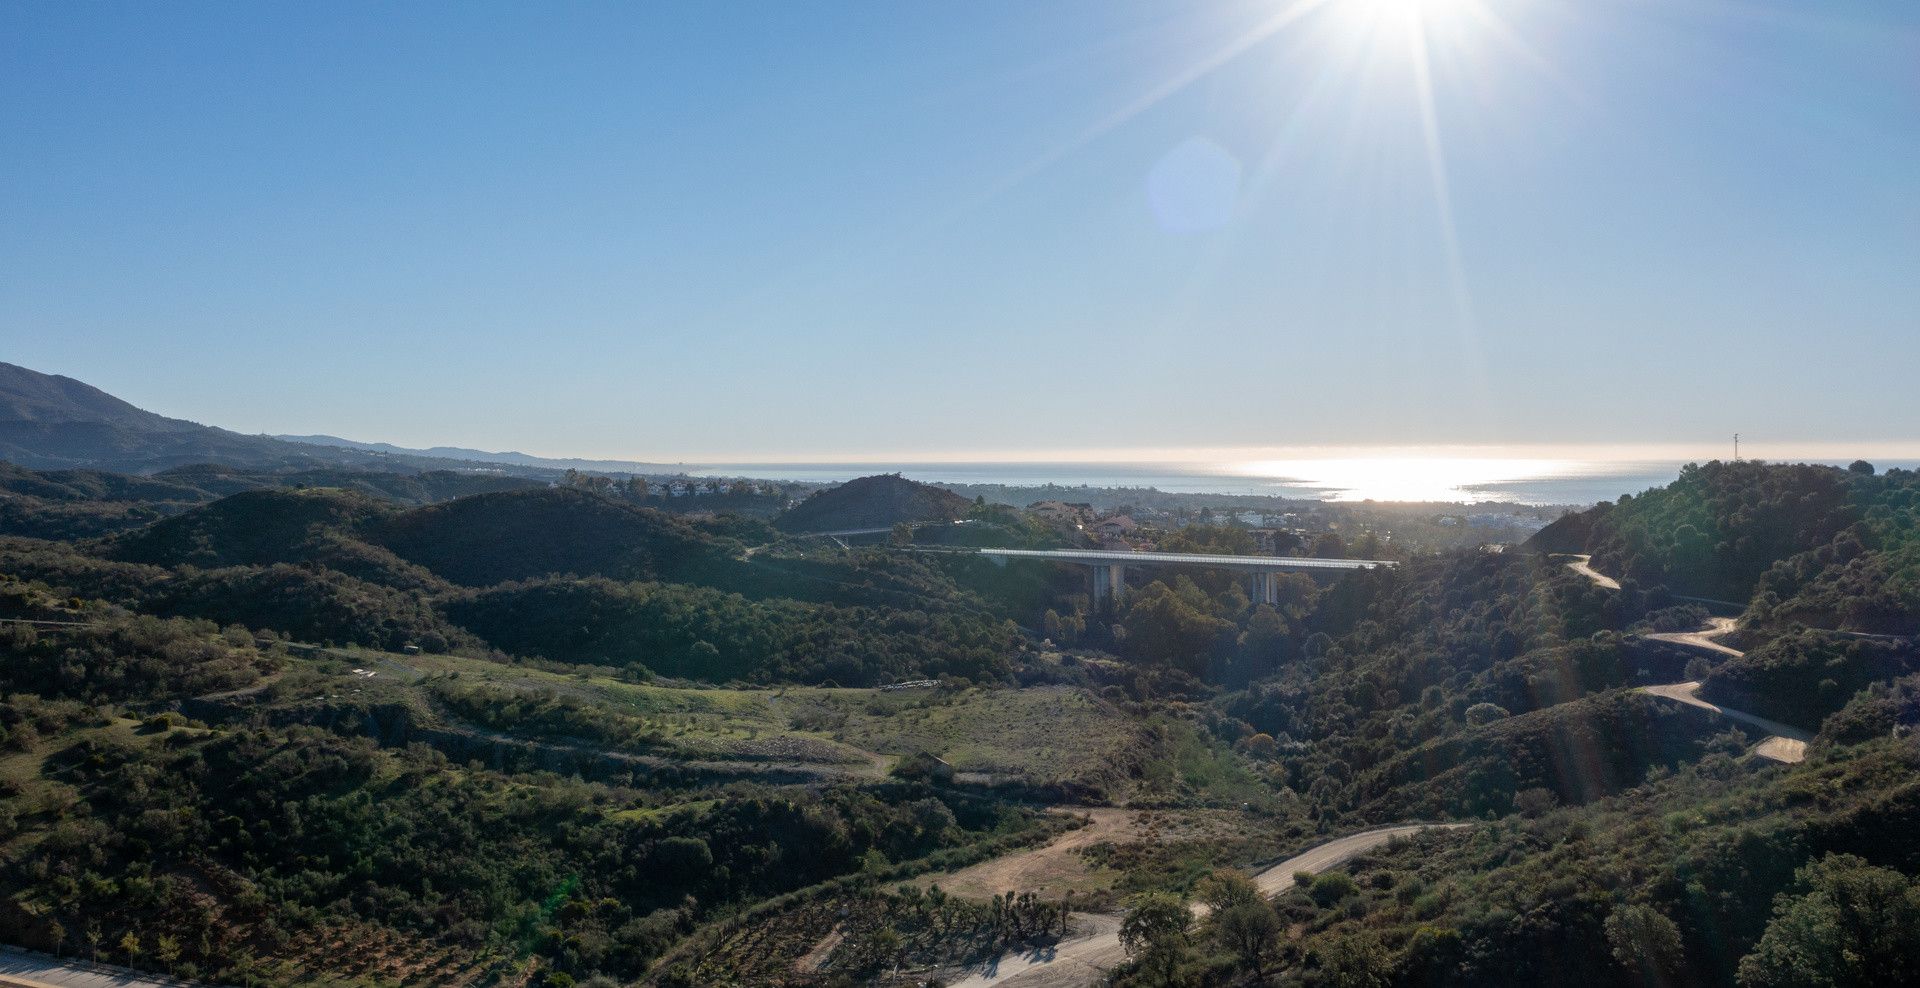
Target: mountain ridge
54, 422
511, 457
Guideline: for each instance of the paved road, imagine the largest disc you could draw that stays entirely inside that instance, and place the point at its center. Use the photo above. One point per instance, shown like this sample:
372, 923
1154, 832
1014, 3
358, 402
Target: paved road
30, 969
1085, 959
1128, 557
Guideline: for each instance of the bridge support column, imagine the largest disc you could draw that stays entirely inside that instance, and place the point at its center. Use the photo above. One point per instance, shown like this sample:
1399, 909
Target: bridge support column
1266, 588
1109, 580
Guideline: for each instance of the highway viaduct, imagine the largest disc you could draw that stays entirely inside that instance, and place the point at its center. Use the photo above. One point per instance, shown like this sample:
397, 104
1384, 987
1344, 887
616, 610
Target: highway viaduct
1109, 567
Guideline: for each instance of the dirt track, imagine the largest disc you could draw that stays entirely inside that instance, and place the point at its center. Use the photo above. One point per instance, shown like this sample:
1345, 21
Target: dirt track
1085, 959
1583, 565
1048, 869
1703, 638
1784, 743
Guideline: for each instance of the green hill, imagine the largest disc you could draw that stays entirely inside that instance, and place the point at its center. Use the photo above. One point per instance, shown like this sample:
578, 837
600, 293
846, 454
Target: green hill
1808, 544
516, 535
879, 501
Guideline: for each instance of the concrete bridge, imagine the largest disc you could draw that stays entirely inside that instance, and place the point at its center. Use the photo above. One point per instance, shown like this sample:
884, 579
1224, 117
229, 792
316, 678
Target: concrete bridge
1109, 568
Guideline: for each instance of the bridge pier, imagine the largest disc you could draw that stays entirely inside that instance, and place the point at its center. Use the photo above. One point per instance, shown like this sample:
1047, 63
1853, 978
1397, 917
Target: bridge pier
1109, 580
1266, 587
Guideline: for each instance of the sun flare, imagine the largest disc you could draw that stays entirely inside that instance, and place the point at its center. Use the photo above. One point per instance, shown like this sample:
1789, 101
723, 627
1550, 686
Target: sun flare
1374, 15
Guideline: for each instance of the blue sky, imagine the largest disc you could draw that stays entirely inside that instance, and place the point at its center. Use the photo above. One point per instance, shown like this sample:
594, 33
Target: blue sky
810, 231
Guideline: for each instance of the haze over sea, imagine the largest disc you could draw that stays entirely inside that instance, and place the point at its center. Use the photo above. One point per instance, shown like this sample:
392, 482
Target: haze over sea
1573, 476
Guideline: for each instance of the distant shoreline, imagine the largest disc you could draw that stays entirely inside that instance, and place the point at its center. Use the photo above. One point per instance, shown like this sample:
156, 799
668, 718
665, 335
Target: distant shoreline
1567, 482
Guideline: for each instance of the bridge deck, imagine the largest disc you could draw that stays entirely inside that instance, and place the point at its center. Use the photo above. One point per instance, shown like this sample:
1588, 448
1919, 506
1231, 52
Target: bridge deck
1096, 557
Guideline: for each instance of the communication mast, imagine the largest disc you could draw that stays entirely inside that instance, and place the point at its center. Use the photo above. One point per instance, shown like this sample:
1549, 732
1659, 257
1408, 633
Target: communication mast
1736, 447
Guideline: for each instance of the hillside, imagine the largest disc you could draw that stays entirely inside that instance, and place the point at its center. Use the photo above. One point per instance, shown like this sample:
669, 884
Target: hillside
71, 504
50, 422
1796, 543
517, 535
704, 749
873, 502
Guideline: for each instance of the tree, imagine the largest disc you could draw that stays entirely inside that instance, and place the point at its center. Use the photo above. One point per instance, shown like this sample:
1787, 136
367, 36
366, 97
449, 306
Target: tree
887, 947
1266, 637
1482, 714
1329, 888
1851, 924
1223, 890
1645, 942
1173, 627
1357, 960
1155, 933
167, 950
1250, 930
1050, 625
1261, 745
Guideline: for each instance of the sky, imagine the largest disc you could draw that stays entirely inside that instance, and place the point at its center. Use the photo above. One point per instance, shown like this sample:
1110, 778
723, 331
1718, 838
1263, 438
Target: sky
816, 231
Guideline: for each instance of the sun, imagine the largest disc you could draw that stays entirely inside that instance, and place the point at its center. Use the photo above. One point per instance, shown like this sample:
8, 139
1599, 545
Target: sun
1406, 15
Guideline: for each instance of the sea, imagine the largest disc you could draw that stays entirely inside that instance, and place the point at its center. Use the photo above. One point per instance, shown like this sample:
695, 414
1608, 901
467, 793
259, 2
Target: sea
1529, 480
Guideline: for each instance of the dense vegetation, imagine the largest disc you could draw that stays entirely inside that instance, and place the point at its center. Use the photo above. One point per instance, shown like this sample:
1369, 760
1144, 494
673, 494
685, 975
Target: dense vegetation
1811, 545
874, 502
555, 734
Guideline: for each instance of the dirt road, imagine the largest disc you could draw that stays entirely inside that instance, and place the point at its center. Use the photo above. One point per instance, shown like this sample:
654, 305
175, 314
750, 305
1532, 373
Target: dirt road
1703, 638
1784, 743
1085, 958
1583, 565
31, 969
1050, 869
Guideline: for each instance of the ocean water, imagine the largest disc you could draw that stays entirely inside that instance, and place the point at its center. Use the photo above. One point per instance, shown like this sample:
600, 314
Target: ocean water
1461, 479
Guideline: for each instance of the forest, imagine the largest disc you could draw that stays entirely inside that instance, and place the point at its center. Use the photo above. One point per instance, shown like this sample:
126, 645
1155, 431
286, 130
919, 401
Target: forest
556, 735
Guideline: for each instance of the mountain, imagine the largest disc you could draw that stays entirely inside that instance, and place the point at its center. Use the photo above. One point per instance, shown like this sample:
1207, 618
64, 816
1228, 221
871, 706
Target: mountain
484, 456
873, 502
49, 399
50, 422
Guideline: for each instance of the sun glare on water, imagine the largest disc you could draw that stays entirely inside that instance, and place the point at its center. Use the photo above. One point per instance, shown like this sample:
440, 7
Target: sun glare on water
1408, 478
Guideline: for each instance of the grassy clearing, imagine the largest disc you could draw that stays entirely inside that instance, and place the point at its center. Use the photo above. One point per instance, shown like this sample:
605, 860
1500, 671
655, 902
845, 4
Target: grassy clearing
1036, 735
1039, 734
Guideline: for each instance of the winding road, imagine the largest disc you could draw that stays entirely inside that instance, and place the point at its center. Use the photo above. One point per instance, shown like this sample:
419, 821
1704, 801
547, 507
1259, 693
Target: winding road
1784, 743
1084, 959
1583, 565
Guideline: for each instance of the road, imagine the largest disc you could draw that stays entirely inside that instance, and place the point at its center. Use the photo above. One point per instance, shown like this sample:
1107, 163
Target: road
1583, 565
29, 969
1128, 557
1703, 638
1085, 959
1783, 743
